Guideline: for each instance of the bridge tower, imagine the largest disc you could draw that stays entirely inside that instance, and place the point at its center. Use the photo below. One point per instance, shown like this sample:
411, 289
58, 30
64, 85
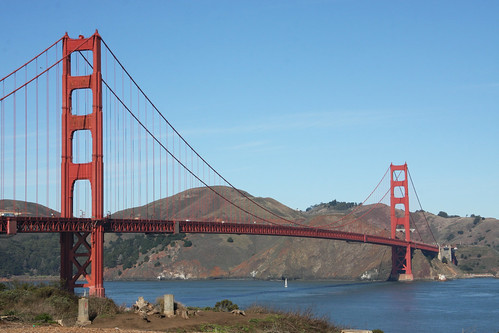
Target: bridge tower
399, 199
77, 254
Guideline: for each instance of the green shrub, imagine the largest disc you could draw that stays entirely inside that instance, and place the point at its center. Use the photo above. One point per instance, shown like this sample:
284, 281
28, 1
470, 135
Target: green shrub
98, 306
43, 318
378, 331
443, 214
476, 220
466, 268
63, 303
225, 306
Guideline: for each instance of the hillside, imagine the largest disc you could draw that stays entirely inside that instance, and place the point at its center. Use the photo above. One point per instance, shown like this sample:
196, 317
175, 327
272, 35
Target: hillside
129, 256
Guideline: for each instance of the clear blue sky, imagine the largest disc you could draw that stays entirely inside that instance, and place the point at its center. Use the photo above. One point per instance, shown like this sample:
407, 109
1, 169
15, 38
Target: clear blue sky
307, 101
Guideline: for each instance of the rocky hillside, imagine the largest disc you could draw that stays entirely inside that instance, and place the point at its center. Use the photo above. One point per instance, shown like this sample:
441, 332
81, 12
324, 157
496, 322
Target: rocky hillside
267, 257
195, 256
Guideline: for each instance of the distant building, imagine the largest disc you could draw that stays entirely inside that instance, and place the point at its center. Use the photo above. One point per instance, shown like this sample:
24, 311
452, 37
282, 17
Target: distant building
447, 252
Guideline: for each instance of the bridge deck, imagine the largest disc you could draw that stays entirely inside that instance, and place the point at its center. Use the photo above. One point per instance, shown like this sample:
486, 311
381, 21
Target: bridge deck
11, 225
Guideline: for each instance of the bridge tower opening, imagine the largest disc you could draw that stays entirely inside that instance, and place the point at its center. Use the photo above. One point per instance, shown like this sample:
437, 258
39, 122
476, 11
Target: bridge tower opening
78, 255
400, 220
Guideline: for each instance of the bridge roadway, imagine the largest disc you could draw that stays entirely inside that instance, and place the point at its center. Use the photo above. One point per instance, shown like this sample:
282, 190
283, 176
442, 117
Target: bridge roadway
21, 224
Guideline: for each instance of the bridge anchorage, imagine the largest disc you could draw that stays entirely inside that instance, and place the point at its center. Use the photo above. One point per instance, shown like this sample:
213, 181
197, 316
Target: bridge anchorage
82, 239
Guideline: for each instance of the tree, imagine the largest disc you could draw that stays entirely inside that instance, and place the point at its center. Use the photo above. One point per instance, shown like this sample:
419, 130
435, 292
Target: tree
226, 306
443, 214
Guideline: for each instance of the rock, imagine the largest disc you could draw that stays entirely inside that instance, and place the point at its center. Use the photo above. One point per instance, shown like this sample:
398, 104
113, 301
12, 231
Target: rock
191, 313
238, 312
143, 315
184, 314
142, 305
66, 322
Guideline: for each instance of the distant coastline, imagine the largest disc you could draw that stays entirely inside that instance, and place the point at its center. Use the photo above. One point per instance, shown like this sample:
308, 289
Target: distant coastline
51, 278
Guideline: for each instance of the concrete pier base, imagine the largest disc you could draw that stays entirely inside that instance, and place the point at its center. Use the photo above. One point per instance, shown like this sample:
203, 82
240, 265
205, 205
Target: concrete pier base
169, 307
83, 319
406, 277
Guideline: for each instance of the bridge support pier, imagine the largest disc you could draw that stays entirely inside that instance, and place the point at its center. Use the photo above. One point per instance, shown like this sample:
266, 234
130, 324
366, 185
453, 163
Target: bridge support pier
96, 286
401, 264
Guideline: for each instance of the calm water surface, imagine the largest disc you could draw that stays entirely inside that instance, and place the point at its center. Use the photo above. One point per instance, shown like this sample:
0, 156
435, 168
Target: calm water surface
453, 306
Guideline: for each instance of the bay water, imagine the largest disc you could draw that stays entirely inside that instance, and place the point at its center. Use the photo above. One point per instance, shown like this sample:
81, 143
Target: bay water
457, 306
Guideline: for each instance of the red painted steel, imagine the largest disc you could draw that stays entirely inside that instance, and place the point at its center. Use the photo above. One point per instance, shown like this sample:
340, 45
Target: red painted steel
399, 196
92, 171
41, 224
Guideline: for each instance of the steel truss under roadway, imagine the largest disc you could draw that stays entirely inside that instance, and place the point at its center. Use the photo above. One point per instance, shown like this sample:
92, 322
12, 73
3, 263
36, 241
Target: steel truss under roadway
19, 224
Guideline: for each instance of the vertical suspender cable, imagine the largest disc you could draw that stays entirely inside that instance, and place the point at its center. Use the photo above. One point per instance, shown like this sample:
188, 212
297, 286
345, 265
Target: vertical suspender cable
147, 163
135, 150
167, 183
123, 147
198, 210
26, 142
129, 153
37, 138
140, 160
47, 136
122, 114
132, 157
2, 147
88, 136
179, 175
106, 140
174, 197
58, 119
153, 173
14, 144
114, 136
160, 173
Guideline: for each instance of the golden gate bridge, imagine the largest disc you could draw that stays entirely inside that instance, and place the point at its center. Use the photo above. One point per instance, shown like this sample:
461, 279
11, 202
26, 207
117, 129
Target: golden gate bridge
82, 140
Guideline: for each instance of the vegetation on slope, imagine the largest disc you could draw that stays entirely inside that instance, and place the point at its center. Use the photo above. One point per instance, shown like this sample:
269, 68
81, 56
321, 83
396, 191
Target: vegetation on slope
35, 254
46, 303
126, 251
334, 205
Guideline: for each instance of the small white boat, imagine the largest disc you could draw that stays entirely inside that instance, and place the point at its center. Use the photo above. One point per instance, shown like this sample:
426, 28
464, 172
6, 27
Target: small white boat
285, 282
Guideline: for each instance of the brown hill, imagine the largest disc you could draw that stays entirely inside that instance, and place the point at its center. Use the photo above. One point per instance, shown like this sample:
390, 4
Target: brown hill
267, 257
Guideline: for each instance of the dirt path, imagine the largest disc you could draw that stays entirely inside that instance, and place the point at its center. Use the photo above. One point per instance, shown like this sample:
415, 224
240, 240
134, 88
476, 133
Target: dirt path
133, 323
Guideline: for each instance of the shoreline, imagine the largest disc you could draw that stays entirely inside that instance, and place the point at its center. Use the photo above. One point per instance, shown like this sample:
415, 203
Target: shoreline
50, 278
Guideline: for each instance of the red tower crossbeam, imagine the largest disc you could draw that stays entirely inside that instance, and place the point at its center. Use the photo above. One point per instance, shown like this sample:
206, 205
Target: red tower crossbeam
73, 242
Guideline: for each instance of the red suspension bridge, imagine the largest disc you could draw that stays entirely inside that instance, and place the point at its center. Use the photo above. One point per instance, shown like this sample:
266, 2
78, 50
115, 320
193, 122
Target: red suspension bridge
81, 140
